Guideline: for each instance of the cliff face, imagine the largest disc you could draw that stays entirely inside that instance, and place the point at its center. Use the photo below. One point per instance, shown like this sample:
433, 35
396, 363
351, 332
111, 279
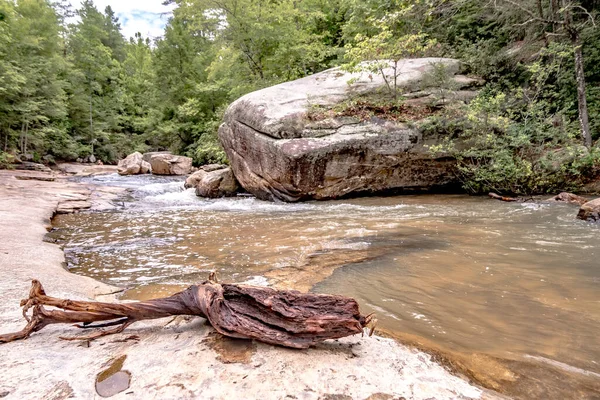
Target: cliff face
277, 152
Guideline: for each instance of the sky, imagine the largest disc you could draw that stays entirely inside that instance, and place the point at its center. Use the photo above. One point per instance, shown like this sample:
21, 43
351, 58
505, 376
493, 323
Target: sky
146, 16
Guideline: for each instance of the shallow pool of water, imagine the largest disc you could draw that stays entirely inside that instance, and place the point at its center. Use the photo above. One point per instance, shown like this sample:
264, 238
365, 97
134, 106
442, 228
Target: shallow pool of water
473, 275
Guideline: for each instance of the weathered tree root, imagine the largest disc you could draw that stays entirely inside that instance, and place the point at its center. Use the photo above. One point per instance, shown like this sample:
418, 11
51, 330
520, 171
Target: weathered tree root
279, 317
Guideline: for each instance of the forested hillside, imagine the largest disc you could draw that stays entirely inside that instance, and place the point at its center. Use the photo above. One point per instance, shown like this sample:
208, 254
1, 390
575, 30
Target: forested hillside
71, 86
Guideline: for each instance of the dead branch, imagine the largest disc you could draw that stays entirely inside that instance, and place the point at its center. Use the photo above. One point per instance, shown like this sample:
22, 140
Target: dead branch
502, 198
531, 14
280, 317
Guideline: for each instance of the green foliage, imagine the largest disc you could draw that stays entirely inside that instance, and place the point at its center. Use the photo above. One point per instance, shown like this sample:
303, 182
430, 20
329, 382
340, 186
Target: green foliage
206, 148
6, 160
440, 80
383, 52
72, 90
510, 144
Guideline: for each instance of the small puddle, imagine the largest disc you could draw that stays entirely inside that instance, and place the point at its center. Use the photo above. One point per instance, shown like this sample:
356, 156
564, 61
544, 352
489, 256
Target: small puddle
113, 380
231, 351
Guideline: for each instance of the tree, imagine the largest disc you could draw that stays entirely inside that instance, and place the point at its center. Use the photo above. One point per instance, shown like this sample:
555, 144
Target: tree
383, 52
139, 95
113, 39
95, 79
33, 85
11, 80
563, 18
64, 12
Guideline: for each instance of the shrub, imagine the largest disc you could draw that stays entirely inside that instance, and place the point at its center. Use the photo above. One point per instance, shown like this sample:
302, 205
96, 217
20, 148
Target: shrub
6, 160
511, 145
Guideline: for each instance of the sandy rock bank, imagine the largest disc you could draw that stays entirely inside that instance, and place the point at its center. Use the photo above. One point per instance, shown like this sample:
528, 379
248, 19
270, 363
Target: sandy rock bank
178, 358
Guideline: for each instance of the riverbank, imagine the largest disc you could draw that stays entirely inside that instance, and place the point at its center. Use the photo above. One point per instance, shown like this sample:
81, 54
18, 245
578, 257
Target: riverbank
180, 358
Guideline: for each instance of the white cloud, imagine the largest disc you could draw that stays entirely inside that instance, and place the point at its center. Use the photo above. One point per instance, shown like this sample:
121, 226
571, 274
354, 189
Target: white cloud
148, 17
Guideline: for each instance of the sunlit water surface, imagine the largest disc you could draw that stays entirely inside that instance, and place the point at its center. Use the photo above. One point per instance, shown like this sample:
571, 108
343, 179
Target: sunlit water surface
471, 274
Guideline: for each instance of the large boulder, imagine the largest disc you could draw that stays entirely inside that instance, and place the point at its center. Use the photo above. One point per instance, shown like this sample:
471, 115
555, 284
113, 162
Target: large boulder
590, 211
130, 165
169, 164
217, 183
277, 152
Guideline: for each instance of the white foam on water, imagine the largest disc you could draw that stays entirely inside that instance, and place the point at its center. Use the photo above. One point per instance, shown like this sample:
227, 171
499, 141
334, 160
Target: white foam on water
173, 195
547, 243
174, 198
360, 232
149, 278
419, 316
563, 366
130, 270
161, 188
382, 311
257, 281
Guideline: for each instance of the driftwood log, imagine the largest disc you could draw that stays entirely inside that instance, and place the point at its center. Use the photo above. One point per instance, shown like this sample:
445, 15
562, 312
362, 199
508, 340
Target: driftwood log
502, 198
280, 317
511, 199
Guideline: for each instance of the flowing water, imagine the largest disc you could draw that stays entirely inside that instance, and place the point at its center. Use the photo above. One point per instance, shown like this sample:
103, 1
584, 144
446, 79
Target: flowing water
471, 275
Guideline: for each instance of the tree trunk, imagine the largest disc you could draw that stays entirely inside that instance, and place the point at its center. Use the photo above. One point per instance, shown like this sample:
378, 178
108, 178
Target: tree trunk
555, 9
540, 11
91, 122
26, 133
396, 79
573, 33
581, 91
285, 318
22, 138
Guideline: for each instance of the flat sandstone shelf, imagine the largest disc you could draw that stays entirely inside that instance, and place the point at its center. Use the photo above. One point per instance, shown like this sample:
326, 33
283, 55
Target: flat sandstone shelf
184, 359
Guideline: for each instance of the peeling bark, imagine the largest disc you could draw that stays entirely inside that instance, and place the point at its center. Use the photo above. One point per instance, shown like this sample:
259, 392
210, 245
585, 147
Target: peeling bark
284, 318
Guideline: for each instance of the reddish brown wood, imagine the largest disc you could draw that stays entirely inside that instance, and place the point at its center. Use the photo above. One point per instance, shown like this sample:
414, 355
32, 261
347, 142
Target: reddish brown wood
502, 198
280, 317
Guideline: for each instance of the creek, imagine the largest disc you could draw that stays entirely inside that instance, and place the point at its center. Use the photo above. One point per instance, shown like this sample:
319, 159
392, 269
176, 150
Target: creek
471, 275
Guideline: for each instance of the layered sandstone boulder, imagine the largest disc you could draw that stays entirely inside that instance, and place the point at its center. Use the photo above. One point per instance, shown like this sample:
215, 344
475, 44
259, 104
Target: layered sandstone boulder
590, 211
213, 181
193, 180
219, 183
278, 153
148, 155
169, 164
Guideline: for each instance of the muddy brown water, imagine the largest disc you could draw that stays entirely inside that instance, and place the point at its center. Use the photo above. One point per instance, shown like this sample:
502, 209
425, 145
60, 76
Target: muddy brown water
113, 380
471, 275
